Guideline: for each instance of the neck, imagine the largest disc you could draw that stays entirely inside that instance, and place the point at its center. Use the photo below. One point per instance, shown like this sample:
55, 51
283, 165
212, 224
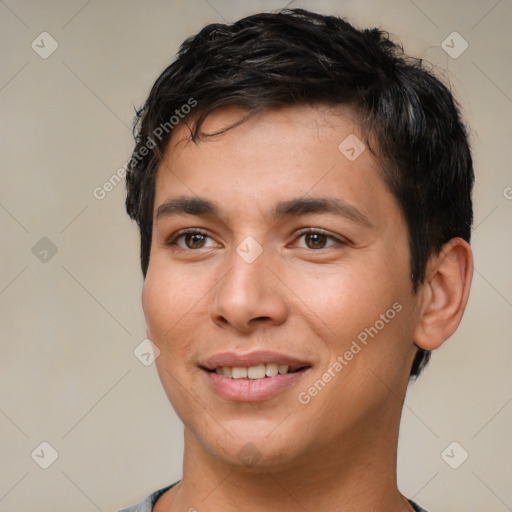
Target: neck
356, 473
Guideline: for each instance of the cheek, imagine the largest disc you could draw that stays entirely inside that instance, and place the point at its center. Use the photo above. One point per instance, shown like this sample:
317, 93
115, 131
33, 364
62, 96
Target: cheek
361, 310
345, 300
162, 302
173, 302
153, 300
168, 318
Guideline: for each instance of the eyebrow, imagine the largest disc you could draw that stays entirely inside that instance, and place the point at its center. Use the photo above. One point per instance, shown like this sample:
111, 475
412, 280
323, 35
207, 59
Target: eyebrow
308, 205
293, 207
187, 205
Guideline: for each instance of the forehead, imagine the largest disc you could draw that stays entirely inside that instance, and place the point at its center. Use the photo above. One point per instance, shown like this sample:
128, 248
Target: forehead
295, 125
274, 155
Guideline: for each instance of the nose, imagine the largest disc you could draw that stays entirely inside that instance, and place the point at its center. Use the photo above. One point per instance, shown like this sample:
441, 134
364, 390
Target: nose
248, 297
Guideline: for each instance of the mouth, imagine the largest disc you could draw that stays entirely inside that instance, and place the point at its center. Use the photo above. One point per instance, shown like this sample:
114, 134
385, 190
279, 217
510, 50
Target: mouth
257, 372
253, 376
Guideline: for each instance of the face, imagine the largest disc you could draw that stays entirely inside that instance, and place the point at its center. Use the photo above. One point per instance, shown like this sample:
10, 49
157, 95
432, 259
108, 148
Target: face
273, 248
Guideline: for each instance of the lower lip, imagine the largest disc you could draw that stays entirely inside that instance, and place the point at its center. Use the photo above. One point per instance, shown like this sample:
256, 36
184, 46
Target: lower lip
248, 390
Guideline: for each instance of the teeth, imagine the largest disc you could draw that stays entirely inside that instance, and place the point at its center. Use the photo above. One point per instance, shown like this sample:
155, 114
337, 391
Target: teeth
256, 372
239, 372
259, 371
226, 371
272, 370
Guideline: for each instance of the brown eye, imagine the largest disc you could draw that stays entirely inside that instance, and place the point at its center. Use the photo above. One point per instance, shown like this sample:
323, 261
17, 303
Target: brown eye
194, 240
315, 240
318, 239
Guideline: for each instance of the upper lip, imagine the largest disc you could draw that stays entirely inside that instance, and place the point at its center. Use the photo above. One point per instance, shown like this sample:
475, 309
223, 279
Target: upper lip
232, 359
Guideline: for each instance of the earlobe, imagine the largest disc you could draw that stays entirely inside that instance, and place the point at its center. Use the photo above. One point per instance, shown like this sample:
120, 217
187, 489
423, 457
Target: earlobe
445, 294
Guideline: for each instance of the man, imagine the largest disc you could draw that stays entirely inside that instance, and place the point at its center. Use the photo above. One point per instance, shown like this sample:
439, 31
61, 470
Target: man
303, 192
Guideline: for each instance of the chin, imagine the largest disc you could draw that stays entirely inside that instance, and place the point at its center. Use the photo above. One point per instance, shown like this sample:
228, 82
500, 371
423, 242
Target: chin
252, 449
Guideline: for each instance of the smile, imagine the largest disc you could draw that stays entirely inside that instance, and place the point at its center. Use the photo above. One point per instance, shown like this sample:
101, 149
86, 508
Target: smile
260, 371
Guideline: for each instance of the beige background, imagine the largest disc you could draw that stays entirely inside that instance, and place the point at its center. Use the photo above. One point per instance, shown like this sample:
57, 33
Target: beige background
70, 324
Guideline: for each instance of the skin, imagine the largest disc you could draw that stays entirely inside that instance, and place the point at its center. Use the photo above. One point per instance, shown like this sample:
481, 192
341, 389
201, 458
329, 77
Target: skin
337, 452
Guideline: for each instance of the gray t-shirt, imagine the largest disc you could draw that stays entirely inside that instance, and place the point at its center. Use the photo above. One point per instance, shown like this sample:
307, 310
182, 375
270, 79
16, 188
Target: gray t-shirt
147, 504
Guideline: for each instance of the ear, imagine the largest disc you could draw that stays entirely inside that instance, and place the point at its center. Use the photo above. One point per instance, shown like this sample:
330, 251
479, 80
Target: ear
444, 294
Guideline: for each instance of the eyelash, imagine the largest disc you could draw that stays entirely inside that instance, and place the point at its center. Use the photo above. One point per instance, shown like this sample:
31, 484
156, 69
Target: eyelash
189, 231
339, 241
172, 241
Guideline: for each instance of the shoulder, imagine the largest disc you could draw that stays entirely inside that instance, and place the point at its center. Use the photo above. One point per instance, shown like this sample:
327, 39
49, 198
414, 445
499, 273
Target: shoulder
146, 505
416, 507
